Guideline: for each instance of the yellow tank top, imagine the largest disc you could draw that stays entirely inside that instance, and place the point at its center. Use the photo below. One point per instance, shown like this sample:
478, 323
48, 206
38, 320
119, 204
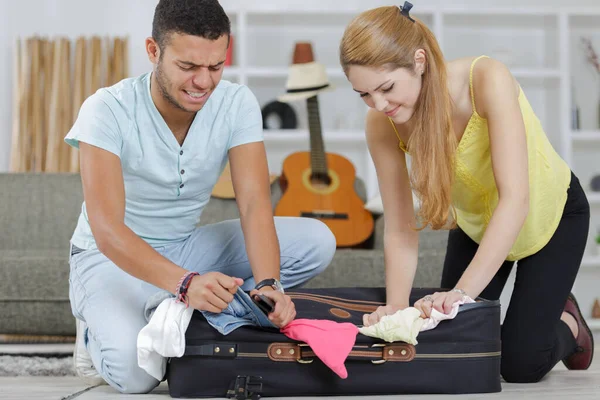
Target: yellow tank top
474, 192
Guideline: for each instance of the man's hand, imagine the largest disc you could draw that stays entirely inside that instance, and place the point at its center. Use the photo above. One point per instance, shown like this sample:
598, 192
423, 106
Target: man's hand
382, 311
212, 291
285, 310
441, 301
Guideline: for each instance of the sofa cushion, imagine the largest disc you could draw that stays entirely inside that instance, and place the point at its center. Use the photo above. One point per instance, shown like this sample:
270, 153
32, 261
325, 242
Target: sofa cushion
352, 268
35, 296
41, 274
38, 211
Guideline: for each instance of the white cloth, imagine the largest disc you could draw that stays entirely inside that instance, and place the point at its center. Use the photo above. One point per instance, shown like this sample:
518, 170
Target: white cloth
405, 325
436, 317
163, 336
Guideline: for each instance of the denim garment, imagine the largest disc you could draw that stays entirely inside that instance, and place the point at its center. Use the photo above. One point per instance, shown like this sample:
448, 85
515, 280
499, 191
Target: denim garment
240, 312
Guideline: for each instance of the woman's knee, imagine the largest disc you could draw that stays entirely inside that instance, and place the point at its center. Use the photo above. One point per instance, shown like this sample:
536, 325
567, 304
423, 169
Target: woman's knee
520, 365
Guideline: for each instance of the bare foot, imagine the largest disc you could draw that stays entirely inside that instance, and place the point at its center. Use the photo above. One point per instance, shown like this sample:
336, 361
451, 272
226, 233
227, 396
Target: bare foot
571, 322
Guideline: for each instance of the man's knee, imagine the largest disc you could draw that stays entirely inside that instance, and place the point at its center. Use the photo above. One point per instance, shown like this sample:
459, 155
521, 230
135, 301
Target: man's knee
325, 244
135, 382
120, 369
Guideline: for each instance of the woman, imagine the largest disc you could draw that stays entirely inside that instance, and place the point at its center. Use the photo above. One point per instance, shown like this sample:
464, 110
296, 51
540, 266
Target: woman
482, 165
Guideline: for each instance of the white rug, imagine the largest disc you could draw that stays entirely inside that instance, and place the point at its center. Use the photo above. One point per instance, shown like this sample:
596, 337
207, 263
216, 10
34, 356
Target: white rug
36, 366
36, 359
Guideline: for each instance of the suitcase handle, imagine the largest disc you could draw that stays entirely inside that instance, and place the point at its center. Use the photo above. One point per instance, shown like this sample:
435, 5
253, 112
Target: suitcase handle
377, 353
341, 303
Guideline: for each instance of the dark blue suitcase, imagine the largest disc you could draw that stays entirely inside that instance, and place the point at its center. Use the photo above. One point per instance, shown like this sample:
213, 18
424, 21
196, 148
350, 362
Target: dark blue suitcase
458, 356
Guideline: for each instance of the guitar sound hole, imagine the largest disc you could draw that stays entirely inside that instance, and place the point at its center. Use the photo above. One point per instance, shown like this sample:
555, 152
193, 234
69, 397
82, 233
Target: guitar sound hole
320, 180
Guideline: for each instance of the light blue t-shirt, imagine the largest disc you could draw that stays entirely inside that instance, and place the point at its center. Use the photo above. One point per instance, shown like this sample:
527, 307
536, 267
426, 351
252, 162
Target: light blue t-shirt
166, 185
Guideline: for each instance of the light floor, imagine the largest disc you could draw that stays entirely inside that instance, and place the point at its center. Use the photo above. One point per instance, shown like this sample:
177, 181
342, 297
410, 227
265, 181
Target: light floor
559, 384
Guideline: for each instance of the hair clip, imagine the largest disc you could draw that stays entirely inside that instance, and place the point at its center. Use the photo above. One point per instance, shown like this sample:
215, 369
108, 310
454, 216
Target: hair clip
405, 9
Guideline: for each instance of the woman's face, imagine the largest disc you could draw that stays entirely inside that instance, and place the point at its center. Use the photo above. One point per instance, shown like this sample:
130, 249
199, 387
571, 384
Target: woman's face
393, 92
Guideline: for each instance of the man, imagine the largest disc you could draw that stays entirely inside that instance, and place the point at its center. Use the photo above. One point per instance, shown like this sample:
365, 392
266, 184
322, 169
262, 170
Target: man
151, 149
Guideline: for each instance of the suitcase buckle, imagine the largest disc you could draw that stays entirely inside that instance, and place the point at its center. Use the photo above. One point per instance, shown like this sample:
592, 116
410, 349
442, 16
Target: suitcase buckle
299, 359
382, 361
402, 352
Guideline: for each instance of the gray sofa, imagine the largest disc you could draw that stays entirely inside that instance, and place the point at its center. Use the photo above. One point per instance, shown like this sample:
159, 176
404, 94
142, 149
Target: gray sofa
38, 213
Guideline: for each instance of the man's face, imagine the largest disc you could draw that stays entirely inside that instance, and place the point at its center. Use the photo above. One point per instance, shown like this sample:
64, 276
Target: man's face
189, 69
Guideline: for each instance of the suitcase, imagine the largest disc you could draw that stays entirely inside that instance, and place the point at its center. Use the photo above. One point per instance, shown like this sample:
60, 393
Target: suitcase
458, 356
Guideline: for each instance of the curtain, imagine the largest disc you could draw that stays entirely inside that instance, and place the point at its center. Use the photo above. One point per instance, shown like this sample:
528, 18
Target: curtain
51, 79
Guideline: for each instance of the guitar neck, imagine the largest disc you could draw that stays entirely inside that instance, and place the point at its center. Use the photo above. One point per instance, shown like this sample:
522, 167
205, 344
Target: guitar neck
318, 160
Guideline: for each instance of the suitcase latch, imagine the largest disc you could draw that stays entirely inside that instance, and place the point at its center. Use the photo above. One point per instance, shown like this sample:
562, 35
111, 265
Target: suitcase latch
245, 387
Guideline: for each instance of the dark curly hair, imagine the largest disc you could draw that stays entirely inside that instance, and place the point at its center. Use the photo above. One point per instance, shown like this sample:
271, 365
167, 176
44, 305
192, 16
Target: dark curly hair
204, 18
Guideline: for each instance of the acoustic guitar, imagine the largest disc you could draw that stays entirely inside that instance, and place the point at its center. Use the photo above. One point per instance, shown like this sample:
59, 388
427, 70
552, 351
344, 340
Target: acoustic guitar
320, 185
223, 189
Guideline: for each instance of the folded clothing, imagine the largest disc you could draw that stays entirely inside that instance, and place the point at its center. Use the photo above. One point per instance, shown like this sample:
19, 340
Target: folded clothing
405, 325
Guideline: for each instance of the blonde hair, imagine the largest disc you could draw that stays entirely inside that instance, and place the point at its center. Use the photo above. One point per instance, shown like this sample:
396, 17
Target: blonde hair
383, 37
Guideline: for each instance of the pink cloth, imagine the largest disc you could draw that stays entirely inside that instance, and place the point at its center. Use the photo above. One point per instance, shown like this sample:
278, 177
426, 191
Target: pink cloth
331, 341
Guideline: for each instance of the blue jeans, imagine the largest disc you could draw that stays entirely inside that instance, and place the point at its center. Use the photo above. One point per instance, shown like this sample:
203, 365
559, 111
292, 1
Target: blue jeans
112, 302
240, 312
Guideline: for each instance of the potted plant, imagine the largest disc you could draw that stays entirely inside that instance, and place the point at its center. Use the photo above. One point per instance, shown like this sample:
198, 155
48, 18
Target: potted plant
597, 240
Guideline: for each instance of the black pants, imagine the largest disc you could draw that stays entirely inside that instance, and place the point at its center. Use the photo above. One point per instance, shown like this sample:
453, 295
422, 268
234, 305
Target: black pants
534, 339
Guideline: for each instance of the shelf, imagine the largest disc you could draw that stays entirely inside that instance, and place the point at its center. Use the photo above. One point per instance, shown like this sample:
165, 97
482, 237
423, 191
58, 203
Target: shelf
586, 136
520, 11
591, 262
231, 73
282, 72
593, 198
231, 70
594, 324
535, 73
298, 135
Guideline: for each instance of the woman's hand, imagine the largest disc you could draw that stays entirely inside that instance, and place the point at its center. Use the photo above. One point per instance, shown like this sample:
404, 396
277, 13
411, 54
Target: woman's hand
441, 301
382, 311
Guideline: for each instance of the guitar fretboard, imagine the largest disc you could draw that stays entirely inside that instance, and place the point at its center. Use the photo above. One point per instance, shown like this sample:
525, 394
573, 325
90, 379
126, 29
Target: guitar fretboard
318, 161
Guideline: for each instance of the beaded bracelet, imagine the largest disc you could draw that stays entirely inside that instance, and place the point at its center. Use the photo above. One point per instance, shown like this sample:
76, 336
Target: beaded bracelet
182, 287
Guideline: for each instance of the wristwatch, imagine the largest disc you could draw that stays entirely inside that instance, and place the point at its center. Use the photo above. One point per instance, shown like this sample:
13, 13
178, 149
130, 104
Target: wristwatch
274, 283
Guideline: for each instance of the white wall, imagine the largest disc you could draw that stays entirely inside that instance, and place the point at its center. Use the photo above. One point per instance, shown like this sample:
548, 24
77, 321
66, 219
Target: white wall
133, 18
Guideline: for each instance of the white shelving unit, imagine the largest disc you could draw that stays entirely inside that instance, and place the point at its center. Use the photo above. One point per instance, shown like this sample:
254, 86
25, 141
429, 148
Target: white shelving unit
586, 136
594, 324
539, 44
591, 262
534, 42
